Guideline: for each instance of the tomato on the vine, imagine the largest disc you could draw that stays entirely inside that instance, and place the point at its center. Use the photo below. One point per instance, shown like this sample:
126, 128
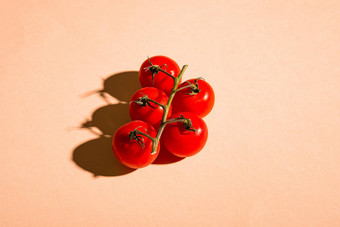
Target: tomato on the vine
142, 109
184, 140
150, 74
198, 99
183, 134
133, 149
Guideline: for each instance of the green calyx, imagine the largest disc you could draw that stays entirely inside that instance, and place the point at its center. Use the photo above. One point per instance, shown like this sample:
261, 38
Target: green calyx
154, 69
187, 123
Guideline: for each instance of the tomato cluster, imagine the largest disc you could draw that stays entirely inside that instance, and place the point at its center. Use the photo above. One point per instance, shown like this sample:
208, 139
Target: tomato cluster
165, 112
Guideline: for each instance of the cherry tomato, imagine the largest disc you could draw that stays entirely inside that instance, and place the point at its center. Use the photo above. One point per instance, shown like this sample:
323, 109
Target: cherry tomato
178, 139
199, 100
134, 152
158, 79
149, 112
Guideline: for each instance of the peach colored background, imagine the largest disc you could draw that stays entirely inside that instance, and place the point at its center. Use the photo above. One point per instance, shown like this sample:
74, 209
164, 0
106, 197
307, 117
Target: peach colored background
273, 153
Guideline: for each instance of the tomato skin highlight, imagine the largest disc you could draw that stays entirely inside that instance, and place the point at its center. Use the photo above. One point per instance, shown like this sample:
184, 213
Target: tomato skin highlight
129, 152
152, 115
182, 142
161, 80
200, 103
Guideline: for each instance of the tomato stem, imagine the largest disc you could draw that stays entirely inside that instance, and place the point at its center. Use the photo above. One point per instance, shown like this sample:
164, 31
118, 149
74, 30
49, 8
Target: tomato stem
144, 134
166, 108
173, 92
186, 86
187, 123
134, 135
154, 69
194, 87
164, 122
159, 69
145, 100
157, 103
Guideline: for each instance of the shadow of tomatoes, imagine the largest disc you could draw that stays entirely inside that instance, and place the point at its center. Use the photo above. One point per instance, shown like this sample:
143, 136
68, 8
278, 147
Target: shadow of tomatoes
96, 156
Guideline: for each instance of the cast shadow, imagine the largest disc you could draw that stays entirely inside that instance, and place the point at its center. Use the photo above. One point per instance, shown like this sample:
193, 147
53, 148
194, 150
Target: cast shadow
107, 119
96, 156
121, 85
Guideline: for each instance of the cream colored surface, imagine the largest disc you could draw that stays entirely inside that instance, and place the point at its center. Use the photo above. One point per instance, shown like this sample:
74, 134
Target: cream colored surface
272, 157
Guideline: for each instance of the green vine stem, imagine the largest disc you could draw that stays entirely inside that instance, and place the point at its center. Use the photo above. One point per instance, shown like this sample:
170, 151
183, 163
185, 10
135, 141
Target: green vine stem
166, 108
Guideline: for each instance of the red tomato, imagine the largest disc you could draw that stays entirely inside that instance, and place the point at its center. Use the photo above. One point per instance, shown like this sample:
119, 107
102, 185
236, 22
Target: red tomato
160, 79
199, 101
148, 112
134, 153
180, 141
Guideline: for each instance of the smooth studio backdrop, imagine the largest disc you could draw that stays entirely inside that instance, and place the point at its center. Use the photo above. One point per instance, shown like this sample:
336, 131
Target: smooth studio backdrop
272, 157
